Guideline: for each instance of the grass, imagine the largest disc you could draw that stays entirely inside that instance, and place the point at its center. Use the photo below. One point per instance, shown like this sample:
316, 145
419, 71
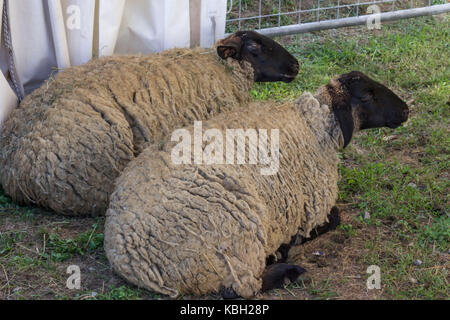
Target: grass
61, 249
120, 293
399, 177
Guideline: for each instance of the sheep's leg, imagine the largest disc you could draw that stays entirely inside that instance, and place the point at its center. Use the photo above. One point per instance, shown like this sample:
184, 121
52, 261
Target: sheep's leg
283, 251
334, 219
281, 255
279, 274
275, 276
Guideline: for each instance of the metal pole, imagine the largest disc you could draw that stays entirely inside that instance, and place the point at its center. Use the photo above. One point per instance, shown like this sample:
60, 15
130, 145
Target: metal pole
239, 22
279, 13
354, 21
318, 11
259, 14
338, 6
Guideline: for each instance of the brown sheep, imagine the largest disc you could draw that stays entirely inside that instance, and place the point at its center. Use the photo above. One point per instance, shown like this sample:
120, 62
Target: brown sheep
64, 146
200, 228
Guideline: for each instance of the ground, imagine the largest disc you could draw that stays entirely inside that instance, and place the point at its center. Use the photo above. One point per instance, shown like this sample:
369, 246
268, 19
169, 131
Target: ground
393, 189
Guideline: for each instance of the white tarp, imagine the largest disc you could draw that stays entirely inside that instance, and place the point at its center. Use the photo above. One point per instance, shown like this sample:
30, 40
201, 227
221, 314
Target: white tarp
49, 35
110, 18
8, 99
32, 41
79, 17
3, 54
212, 22
160, 25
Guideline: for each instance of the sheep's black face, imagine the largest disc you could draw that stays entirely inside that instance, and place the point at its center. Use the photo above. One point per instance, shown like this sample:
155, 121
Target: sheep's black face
362, 103
377, 106
270, 61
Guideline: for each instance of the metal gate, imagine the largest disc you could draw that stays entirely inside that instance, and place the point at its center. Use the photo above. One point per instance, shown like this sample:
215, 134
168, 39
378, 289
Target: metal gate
284, 17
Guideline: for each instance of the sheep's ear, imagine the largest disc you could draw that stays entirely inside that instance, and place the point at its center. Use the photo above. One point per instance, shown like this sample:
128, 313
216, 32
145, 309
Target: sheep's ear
341, 106
230, 47
344, 116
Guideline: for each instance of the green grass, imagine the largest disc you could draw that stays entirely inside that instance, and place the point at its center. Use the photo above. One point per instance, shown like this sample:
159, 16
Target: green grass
61, 249
322, 290
120, 293
410, 54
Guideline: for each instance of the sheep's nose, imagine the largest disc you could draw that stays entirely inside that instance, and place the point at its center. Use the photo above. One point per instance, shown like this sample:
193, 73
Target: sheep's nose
405, 114
295, 68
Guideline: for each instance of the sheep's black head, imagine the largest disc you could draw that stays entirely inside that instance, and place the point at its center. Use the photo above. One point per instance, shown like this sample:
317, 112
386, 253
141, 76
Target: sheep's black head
270, 61
362, 103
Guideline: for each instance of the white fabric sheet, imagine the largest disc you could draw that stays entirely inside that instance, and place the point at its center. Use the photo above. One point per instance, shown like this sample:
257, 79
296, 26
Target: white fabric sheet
50, 35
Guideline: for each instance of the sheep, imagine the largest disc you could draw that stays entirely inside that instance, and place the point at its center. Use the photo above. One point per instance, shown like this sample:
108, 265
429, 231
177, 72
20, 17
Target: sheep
193, 227
67, 142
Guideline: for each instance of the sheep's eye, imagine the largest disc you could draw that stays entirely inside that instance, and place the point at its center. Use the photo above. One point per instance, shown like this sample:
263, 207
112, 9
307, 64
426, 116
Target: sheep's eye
254, 48
366, 97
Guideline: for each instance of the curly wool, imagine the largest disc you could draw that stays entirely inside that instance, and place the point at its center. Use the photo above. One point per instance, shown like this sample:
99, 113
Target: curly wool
194, 229
64, 146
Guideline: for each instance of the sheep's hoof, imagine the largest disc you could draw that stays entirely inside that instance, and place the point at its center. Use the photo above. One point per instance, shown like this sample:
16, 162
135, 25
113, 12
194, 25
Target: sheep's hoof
228, 293
279, 274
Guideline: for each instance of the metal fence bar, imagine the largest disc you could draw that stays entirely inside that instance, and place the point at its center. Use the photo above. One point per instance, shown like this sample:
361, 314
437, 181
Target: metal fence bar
299, 12
260, 13
337, 10
318, 11
279, 12
352, 21
240, 6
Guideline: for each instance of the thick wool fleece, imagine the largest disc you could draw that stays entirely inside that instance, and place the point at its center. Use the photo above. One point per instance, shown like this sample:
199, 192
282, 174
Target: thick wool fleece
193, 229
67, 142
